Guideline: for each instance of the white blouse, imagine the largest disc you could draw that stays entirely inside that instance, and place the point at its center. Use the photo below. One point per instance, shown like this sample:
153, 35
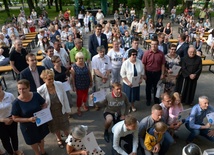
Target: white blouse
6, 105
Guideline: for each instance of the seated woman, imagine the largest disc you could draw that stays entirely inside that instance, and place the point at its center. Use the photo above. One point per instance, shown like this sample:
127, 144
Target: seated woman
3, 61
45, 44
145, 33
168, 31
159, 26
198, 45
210, 40
151, 31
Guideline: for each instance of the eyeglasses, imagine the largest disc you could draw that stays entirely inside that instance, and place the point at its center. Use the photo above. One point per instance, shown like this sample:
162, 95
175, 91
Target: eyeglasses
134, 54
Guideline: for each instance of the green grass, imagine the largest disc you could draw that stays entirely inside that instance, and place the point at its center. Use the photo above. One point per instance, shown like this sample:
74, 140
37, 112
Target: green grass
51, 12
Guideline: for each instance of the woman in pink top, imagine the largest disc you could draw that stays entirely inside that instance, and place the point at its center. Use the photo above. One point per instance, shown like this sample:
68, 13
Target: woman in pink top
174, 111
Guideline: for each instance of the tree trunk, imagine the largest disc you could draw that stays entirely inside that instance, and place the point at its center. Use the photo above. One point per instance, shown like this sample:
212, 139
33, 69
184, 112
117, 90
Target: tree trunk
56, 4
150, 6
6, 7
206, 4
36, 1
60, 5
49, 4
30, 4
115, 5
172, 3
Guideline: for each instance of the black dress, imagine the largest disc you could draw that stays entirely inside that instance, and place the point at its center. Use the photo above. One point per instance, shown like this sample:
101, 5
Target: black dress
31, 133
190, 66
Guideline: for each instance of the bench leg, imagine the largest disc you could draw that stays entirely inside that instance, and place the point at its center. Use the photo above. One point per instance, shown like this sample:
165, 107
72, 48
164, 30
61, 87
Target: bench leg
210, 69
3, 80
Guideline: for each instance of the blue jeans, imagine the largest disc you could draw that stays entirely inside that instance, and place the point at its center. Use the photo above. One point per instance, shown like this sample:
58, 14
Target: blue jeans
196, 132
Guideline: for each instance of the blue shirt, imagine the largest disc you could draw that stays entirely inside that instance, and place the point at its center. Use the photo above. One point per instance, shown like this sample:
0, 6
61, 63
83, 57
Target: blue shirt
197, 116
139, 54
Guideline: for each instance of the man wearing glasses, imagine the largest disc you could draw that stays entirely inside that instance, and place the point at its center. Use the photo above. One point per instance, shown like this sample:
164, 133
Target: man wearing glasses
97, 39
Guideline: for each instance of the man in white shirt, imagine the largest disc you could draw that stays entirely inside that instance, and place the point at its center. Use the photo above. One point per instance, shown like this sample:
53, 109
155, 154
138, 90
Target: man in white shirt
101, 65
61, 52
126, 130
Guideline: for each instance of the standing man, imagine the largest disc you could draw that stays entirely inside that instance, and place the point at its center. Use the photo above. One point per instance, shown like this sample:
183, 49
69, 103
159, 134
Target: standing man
61, 52
17, 58
114, 102
78, 48
101, 65
195, 121
154, 65
135, 45
182, 46
46, 62
162, 46
97, 39
148, 122
126, 130
32, 72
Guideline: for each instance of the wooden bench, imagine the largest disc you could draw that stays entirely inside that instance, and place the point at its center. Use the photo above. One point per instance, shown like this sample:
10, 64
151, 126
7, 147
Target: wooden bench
7, 69
209, 63
39, 63
39, 57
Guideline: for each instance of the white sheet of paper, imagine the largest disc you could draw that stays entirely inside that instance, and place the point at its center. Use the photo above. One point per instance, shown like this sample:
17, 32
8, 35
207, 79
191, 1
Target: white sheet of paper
210, 118
91, 145
135, 81
66, 86
175, 70
99, 95
184, 114
43, 116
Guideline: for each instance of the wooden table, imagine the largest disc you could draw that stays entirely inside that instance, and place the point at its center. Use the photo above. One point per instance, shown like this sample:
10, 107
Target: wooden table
148, 42
39, 57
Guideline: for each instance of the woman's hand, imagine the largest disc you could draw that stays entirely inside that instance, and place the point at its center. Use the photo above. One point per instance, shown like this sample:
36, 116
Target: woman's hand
8, 121
84, 152
74, 89
32, 119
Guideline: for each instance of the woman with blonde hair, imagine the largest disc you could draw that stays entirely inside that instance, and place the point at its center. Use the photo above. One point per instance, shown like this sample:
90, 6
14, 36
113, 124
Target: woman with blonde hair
56, 99
82, 80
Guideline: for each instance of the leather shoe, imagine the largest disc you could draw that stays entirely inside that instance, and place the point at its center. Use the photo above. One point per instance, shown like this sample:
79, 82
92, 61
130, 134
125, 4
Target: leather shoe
106, 136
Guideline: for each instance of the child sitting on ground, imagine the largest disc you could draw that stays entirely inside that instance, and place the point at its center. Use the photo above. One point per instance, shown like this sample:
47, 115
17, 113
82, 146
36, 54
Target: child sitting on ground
154, 136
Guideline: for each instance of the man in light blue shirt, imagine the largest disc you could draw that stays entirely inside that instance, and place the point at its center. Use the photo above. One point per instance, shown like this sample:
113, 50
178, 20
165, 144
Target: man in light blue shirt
195, 121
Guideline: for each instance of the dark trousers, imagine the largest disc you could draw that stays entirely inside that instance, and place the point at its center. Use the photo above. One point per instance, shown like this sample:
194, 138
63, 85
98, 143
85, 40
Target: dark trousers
9, 137
152, 79
128, 140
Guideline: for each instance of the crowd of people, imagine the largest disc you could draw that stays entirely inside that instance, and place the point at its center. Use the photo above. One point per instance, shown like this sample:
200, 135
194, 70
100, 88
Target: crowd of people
170, 71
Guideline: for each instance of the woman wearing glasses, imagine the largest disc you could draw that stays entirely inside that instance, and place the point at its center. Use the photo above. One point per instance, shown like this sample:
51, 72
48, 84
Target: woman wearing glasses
132, 73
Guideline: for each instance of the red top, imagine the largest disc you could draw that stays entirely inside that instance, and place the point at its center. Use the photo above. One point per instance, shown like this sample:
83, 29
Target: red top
153, 61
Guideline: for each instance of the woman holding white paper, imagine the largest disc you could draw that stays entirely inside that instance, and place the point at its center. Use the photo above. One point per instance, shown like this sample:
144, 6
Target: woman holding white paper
57, 101
172, 59
132, 73
61, 74
23, 108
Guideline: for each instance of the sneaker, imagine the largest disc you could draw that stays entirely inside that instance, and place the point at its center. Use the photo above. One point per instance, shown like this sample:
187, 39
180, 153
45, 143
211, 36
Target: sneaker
106, 136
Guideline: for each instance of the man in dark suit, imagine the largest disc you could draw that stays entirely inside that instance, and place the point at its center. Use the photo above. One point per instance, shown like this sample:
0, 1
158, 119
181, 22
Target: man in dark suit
46, 62
97, 39
182, 46
162, 46
32, 72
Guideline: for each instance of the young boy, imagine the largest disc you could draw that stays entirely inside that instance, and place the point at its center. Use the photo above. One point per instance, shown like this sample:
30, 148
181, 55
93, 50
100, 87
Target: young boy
154, 136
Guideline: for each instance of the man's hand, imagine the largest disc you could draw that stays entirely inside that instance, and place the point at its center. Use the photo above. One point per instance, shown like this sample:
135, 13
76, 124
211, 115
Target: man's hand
133, 153
122, 117
211, 133
156, 148
144, 77
8, 121
162, 76
208, 125
192, 76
